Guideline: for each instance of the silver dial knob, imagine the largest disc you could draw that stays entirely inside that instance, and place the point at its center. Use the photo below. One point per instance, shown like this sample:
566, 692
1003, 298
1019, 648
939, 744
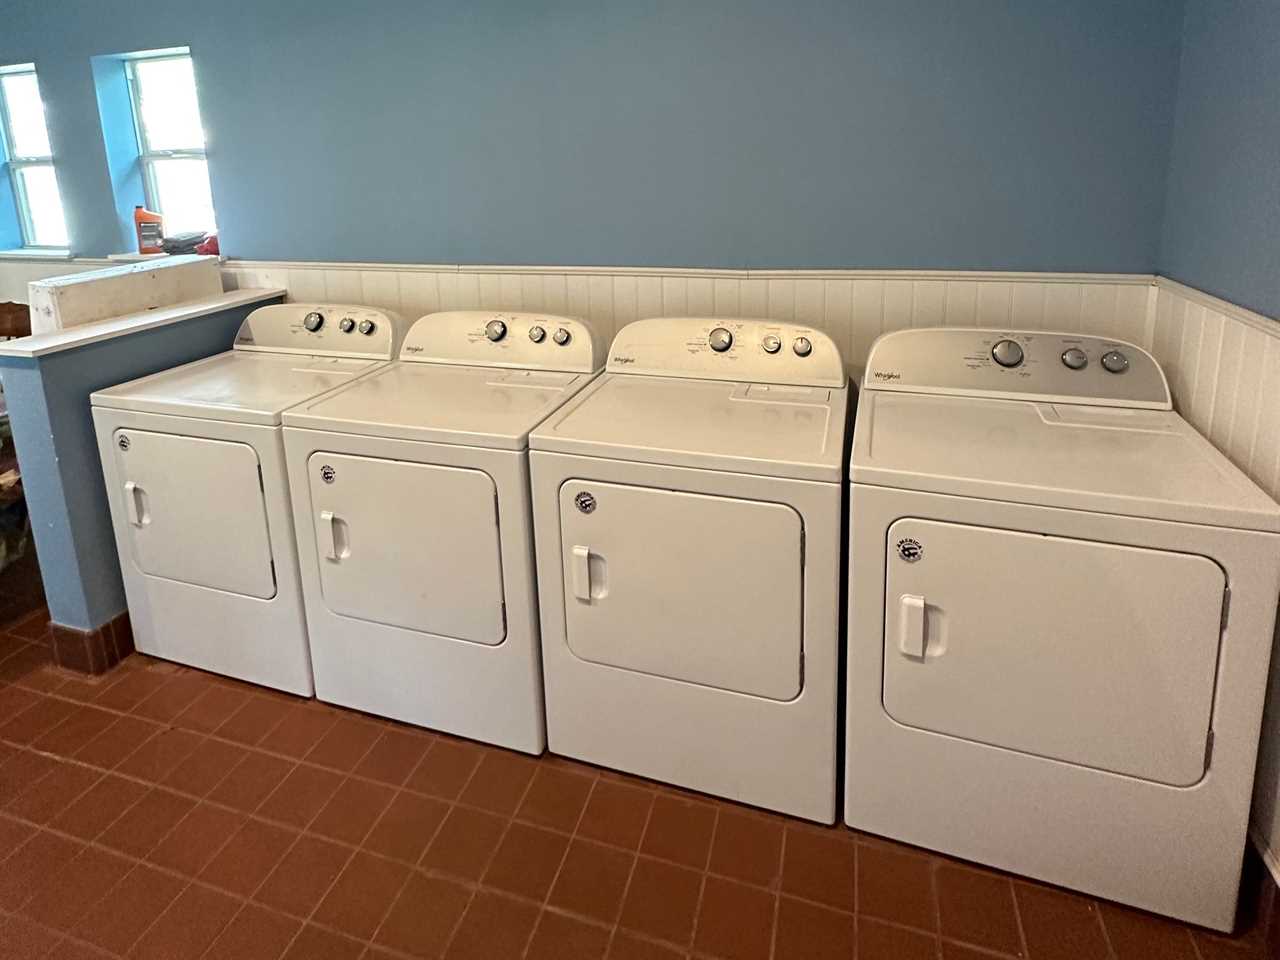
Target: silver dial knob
1075, 358
495, 330
1113, 361
1007, 353
720, 339
771, 344
802, 347
346, 324
537, 334
561, 336
367, 327
313, 321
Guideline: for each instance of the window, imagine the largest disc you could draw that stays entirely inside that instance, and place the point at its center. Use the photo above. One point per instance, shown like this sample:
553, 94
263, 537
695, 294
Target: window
29, 158
166, 115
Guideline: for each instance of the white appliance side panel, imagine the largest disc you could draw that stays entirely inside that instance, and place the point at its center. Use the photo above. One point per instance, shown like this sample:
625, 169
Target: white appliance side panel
1093, 653
704, 589
1070, 825
411, 545
195, 511
261, 641
770, 753
488, 693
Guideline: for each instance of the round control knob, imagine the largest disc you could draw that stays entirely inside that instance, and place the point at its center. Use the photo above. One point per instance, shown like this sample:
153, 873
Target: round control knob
802, 347
495, 330
346, 324
771, 344
367, 327
1074, 358
1007, 353
537, 334
1113, 361
313, 321
720, 339
561, 336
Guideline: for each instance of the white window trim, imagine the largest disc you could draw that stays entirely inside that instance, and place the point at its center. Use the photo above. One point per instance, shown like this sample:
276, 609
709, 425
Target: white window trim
15, 164
146, 155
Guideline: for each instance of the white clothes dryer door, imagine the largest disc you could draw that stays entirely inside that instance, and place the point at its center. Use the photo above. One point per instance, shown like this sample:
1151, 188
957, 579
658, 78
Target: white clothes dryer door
704, 589
196, 511
1095, 654
411, 545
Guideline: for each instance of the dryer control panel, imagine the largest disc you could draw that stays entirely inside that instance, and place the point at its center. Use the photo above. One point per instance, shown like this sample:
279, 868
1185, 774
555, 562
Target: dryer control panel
487, 338
728, 348
1017, 365
338, 329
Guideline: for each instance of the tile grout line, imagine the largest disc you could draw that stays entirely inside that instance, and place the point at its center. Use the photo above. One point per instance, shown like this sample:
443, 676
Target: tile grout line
546, 897
777, 894
488, 861
351, 854
702, 882
626, 889
416, 865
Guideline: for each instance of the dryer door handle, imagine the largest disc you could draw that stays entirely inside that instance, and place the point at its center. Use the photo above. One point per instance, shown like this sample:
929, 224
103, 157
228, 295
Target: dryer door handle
580, 572
329, 534
133, 503
911, 625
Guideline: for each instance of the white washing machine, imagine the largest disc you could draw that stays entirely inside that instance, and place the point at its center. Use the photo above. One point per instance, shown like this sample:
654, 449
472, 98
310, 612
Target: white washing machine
1061, 610
687, 507
411, 503
194, 466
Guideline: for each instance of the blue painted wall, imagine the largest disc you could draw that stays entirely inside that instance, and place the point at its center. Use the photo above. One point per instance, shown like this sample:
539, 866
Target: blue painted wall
48, 400
1222, 220
876, 133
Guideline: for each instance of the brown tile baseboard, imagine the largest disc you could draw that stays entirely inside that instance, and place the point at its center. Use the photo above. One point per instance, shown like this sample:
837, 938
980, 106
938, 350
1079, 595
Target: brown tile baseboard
92, 651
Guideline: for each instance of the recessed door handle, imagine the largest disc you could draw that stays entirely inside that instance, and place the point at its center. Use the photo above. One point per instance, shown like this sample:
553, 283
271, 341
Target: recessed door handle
580, 571
911, 625
133, 503
329, 534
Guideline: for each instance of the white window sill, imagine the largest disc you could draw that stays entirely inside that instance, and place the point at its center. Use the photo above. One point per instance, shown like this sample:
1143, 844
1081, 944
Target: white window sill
35, 253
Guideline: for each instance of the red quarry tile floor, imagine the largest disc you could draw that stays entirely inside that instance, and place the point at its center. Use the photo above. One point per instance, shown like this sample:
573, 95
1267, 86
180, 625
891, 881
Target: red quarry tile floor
161, 813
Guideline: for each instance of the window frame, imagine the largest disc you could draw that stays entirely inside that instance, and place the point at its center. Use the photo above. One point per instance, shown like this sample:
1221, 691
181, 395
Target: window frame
15, 163
147, 157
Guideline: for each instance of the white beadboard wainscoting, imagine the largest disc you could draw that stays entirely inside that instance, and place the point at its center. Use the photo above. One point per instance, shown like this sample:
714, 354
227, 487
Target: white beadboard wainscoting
1223, 365
853, 306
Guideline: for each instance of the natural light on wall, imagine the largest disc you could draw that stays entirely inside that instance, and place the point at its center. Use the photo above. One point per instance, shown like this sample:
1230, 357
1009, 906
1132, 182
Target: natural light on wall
30, 158
171, 141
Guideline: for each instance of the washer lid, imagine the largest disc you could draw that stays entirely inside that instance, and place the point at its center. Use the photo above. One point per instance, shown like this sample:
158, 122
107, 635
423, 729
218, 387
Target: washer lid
442, 403
240, 385
766, 429
1143, 463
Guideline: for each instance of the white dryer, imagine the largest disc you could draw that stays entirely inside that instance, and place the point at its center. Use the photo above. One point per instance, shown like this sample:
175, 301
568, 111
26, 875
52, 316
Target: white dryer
1061, 610
411, 503
687, 508
194, 466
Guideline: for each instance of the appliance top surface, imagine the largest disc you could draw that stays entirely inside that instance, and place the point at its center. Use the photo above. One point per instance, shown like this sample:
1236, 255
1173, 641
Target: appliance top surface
236, 385
759, 428
1134, 458
716, 393
442, 402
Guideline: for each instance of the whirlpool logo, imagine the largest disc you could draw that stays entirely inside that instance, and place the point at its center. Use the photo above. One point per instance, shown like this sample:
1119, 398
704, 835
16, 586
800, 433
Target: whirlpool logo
886, 375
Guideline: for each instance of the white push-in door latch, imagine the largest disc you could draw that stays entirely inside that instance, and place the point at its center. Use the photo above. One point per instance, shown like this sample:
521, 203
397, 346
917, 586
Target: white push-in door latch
911, 625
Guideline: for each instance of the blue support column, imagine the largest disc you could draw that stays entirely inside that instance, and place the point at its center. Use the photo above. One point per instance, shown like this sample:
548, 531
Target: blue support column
48, 400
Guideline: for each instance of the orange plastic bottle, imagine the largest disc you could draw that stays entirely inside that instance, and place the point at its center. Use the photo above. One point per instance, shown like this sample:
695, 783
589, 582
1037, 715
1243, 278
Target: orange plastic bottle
150, 227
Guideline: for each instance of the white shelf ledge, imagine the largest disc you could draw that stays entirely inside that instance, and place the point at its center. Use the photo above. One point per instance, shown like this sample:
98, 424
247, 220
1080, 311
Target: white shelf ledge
46, 343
